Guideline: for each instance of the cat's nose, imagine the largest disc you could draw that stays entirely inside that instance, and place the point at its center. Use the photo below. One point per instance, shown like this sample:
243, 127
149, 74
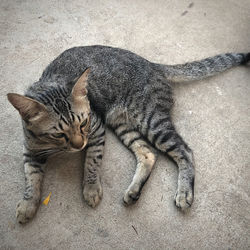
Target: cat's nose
77, 142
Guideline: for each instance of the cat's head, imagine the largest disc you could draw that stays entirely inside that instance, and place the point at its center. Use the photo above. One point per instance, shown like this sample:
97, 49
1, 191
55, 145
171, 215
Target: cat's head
62, 124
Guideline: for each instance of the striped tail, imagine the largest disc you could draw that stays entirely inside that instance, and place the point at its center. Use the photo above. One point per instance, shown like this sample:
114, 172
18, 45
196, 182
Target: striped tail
198, 70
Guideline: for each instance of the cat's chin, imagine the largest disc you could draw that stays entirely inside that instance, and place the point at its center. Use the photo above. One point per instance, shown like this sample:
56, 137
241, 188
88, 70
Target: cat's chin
74, 150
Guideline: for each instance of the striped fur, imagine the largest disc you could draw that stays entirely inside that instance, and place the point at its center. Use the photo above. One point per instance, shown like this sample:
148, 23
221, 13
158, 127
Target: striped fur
67, 110
205, 68
92, 189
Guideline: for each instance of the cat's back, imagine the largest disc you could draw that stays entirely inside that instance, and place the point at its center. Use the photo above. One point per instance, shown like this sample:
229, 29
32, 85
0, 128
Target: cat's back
114, 75
104, 61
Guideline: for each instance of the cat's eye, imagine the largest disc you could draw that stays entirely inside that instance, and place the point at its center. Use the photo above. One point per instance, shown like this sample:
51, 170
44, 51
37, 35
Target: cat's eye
84, 123
58, 135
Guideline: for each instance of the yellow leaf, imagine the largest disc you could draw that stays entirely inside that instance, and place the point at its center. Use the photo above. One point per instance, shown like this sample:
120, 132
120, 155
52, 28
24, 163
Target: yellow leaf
46, 201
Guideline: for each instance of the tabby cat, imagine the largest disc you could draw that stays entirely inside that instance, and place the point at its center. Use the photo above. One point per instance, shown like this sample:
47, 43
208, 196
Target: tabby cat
68, 110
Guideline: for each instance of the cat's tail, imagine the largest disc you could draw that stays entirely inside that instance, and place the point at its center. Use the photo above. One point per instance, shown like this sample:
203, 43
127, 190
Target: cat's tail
198, 70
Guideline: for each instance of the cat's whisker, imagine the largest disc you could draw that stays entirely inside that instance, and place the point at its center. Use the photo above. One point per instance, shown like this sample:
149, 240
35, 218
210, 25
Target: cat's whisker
47, 152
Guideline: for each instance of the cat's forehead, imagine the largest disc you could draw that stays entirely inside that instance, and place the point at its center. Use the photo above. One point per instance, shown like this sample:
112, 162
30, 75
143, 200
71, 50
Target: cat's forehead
68, 109
62, 103
62, 107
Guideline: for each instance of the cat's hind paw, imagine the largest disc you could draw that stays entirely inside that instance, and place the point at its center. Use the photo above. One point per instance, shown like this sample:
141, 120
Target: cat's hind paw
25, 210
131, 195
92, 194
184, 198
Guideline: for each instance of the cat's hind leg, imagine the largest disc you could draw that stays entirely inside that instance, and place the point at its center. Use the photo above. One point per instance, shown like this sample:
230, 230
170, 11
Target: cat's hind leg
145, 157
159, 130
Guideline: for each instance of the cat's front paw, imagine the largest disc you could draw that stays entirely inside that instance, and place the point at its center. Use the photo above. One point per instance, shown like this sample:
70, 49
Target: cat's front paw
132, 194
26, 210
184, 198
92, 194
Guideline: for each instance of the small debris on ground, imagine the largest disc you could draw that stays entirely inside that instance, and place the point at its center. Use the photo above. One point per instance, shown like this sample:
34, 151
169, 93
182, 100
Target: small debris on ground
46, 201
135, 229
184, 13
190, 5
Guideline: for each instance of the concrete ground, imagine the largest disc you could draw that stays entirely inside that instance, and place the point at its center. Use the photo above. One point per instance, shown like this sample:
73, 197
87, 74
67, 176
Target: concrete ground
213, 116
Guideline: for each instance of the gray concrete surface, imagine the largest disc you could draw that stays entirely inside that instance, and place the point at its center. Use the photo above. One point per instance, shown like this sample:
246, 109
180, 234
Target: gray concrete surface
213, 116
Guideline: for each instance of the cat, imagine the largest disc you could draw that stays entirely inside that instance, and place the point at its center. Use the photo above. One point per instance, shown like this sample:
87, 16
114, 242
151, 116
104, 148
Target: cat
88, 88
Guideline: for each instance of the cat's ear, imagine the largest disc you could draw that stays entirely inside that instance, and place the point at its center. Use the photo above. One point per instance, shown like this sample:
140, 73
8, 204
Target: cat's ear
80, 88
29, 109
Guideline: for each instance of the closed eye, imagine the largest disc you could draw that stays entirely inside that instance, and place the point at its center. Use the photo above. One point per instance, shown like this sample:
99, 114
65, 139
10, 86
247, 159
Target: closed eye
59, 135
84, 123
